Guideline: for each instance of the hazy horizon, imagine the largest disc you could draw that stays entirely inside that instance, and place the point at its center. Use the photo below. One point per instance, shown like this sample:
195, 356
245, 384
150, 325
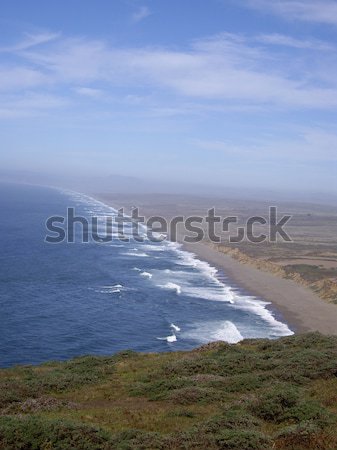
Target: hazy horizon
165, 190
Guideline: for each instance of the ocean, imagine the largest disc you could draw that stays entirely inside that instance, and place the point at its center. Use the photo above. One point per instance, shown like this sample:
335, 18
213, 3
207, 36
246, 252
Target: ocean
63, 300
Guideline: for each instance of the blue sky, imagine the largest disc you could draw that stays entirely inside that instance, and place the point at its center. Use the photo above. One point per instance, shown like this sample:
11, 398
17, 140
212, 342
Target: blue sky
221, 92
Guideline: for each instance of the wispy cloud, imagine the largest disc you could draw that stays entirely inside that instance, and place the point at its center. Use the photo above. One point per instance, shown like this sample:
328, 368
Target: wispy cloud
320, 11
227, 72
14, 77
31, 104
142, 13
289, 41
222, 68
31, 40
307, 146
89, 92
248, 98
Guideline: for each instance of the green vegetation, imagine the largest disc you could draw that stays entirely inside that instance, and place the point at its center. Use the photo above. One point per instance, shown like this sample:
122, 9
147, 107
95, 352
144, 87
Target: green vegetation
310, 264
257, 394
310, 272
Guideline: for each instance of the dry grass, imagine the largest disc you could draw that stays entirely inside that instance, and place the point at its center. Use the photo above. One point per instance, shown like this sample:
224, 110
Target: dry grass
253, 395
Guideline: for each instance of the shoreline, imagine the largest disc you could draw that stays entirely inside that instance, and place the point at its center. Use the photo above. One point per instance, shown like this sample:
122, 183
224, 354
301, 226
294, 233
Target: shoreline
301, 308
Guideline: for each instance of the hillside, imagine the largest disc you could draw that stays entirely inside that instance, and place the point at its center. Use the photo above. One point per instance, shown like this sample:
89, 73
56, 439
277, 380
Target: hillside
311, 268
257, 394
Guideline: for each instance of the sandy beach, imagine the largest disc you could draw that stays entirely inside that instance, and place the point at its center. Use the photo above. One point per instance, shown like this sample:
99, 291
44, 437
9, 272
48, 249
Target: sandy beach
301, 308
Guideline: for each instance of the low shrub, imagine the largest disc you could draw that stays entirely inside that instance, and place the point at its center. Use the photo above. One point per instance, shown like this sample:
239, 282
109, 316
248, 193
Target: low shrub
230, 419
273, 404
137, 440
160, 389
304, 435
309, 411
243, 440
54, 378
190, 395
35, 433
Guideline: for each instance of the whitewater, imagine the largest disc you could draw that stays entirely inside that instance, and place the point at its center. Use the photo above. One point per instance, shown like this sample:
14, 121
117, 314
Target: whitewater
63, 300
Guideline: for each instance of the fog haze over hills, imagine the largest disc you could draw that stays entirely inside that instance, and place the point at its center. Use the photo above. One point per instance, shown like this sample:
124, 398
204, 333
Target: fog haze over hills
122, 184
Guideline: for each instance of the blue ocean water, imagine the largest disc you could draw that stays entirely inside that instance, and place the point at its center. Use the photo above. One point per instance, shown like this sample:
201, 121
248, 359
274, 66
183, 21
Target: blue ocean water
62, 300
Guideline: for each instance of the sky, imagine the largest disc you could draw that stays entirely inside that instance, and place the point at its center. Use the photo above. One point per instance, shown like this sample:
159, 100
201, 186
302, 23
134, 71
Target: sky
239, 93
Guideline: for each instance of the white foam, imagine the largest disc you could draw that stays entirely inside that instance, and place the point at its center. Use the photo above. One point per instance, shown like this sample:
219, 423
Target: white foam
111, 289
153, 248
213, 289
222, 292
189, 282
102, 210
216, 294
172, 287
172, 244
94, 204
214, 331
258, 307
228, 333
180, 274
172, 338
139, 254
159, 236
146, 274
189, 259
175, 327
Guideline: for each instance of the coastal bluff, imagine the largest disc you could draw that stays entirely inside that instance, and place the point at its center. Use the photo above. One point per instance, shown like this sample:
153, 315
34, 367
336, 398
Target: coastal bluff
257, 394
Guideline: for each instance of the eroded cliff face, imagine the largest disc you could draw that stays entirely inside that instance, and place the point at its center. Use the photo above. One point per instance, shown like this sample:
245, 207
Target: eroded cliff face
325, 287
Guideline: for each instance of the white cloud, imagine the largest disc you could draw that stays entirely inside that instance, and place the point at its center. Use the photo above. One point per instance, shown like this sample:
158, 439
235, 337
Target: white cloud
71, 60
141, 14
223, 72
89, 92
223, 68
320, 11
288, 41
31, 40
21, 77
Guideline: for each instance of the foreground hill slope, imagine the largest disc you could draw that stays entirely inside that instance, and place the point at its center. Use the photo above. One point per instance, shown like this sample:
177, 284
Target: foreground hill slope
257, 394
